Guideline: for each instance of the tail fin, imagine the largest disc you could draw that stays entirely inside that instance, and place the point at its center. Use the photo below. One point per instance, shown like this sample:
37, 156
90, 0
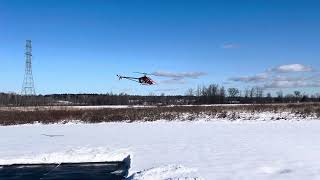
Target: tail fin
120, 77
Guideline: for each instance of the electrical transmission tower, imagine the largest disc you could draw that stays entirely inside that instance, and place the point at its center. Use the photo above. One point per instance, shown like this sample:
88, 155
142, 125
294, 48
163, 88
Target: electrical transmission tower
28, 84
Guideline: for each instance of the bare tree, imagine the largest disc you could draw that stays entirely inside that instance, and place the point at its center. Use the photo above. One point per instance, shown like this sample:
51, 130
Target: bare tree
222, 94
252, 93
269, 95
279, 96
259, 92
246, 93
190, 92
298, 95
233, 92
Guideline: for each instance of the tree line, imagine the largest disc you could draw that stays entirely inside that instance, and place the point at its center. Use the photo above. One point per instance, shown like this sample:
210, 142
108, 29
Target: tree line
211, 94
215, 94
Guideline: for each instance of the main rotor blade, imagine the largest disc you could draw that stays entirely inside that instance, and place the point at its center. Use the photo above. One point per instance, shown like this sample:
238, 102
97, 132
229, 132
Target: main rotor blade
126, 77
144, 73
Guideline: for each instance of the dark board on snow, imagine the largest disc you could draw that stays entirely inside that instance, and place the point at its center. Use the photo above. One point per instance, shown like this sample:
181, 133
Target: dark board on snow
71, 171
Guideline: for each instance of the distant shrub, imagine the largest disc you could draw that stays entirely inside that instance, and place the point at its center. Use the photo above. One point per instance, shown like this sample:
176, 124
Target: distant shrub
222, 115
234, 116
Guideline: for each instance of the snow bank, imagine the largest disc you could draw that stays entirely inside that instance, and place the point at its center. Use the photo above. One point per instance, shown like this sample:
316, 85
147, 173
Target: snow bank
172, 172
73, 155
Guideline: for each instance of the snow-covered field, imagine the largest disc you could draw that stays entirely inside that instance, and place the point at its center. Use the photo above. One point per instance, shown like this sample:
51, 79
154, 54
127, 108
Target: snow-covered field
217, 150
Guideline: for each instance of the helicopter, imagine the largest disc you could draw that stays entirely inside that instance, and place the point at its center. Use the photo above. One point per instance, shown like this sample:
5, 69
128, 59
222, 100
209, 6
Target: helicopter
144, 80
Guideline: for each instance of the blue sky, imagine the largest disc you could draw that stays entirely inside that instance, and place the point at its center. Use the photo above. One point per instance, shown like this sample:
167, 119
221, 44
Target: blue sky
80, 46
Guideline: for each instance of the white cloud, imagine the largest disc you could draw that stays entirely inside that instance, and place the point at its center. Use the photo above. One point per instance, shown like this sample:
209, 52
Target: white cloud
179, 75
174, 81
291, 84
256, 78
230, 46
290, 78
291, 68
272, 79
285, 78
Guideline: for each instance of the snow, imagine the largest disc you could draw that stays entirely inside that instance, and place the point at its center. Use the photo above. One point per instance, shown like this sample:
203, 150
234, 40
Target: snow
171, 150
109, 106
174, 172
